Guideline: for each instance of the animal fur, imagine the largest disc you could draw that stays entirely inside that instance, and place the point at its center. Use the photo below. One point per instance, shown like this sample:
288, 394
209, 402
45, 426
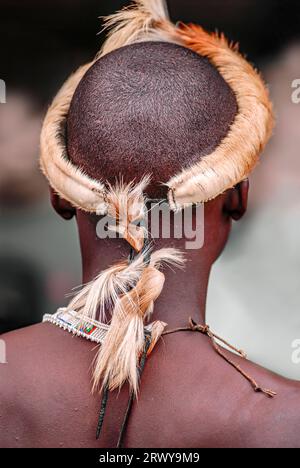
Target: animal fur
65, 178
230, 163
238, 153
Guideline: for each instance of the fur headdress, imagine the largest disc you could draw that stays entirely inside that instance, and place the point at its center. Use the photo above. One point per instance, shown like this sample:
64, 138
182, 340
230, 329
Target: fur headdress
130, 290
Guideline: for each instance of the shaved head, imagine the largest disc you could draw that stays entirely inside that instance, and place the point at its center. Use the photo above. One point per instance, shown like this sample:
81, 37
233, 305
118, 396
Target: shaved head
148, 108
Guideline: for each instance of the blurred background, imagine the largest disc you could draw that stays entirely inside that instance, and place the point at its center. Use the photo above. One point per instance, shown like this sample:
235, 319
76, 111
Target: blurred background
254, 296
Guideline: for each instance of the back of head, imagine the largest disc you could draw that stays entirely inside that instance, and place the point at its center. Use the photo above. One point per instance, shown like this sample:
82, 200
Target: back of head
148, 108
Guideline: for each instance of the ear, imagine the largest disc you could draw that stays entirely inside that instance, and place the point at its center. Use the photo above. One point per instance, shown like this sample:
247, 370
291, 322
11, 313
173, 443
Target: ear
237, 200
61, 206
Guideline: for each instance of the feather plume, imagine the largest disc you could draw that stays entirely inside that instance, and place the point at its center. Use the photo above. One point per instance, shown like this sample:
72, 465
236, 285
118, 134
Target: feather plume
126, 204
144, 20
117, 360
101, 294
169, 257
118, 356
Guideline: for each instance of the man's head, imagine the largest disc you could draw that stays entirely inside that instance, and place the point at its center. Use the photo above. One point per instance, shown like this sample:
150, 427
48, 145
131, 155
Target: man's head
148, 108
175, 103
151, 108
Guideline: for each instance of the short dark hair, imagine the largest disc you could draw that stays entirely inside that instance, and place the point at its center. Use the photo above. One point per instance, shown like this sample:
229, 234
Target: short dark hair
148, 108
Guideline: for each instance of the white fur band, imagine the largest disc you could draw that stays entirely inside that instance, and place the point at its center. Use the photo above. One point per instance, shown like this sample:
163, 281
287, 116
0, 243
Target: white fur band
229, 164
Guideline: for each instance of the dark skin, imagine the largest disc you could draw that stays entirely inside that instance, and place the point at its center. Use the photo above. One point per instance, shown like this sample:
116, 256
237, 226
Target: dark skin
190, 397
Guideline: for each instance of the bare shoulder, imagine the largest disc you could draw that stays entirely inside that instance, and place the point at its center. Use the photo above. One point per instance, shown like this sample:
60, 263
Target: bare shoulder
219, 400
42, 353
31, 350
34, 348
15, 375
22, 348
192, 350
34, 381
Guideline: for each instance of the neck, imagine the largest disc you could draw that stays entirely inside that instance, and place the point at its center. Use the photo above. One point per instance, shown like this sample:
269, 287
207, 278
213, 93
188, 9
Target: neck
184, 292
